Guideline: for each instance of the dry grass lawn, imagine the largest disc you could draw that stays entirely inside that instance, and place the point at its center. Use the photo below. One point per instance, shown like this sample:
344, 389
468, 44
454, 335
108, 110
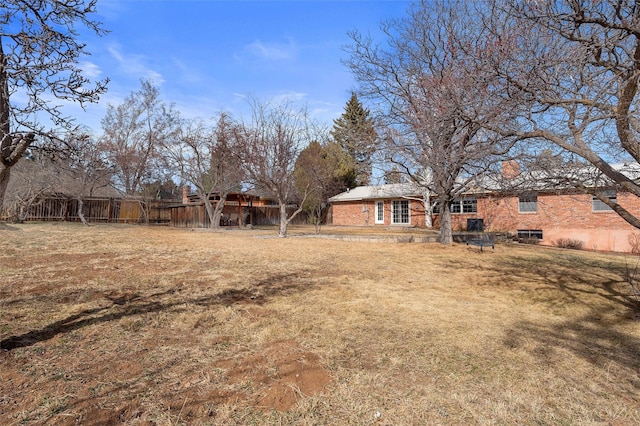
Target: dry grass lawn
118, 324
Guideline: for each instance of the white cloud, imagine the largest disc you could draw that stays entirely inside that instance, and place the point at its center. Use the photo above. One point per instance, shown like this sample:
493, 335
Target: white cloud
271, 51
289, 96
135, 65
116, 53
91, 70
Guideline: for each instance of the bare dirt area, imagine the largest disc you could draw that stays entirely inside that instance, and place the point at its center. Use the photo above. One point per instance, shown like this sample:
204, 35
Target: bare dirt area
123, 324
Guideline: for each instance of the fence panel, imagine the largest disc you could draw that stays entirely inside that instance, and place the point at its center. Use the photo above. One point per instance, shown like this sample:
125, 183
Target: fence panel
98, 210
120, 210
195, 216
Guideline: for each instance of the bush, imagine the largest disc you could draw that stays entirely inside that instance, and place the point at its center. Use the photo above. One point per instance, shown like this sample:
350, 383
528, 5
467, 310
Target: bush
530, 240
632, 277
634, 242
569, 243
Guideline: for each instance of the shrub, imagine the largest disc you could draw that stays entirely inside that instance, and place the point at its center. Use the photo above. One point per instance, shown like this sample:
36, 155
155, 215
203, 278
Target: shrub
569, 243
632, 277
530, 240
634, 242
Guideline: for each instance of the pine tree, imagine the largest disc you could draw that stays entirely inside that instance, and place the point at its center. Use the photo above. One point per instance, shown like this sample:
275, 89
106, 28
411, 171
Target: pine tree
354, 131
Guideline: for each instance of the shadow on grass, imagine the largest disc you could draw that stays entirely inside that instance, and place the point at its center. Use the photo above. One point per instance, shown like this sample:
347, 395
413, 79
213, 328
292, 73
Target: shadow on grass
127, 305
562, 280
596, 343
579, 279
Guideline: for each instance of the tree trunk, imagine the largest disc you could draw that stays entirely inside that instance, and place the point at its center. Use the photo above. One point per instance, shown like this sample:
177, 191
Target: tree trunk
217, 212
446, 232
284, 222
428, 209
21, 214
210, 214
144, 209
318, 219
5, 173
5, 129
80, 213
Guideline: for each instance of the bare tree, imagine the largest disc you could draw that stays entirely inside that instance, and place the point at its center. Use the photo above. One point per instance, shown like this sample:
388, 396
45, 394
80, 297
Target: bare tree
39, 54
79, 170
577, 70
30, 180
437, 97
86, 164
269, 147
205, 158
133, 134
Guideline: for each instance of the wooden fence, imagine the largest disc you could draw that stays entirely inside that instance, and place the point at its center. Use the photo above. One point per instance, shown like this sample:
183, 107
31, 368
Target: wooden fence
166, 212
99, 210
195, 216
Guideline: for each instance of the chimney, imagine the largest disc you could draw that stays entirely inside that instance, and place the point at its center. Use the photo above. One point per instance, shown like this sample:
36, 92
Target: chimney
510, 169
185, 194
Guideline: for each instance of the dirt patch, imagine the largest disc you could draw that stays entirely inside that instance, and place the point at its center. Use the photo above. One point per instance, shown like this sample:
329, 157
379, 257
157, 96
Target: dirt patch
284, 371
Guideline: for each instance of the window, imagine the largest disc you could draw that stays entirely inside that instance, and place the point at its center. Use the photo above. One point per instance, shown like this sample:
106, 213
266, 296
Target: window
528, 203
599, 206
379, 212
464, 205
529, 234
469, 205
400, 212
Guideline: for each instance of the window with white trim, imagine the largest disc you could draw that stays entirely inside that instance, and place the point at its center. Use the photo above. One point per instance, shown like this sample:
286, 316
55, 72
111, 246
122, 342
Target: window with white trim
400, 212
379, 212
528, 203
455, 207
599, 206
469, 205
460, 206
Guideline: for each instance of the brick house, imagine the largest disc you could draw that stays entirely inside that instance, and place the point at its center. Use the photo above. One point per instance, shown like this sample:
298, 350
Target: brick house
379, 205
545, 215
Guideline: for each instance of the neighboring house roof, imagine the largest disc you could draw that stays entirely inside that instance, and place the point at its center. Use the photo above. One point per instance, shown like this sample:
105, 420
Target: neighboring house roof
193, 197
553, 180
493, 183
395, 190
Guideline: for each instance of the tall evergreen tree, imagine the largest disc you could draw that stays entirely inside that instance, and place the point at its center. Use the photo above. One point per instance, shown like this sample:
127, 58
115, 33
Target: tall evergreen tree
355, 133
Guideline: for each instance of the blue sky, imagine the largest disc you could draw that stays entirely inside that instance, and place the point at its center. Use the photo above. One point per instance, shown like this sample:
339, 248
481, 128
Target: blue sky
207, 56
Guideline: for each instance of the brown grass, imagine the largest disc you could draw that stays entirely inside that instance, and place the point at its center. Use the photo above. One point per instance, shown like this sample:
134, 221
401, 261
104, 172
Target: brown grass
142, 325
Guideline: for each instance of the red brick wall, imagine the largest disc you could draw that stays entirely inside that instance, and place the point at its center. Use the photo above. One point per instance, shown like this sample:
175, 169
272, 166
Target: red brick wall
568, 216
362, 213
353, 213
554, 211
